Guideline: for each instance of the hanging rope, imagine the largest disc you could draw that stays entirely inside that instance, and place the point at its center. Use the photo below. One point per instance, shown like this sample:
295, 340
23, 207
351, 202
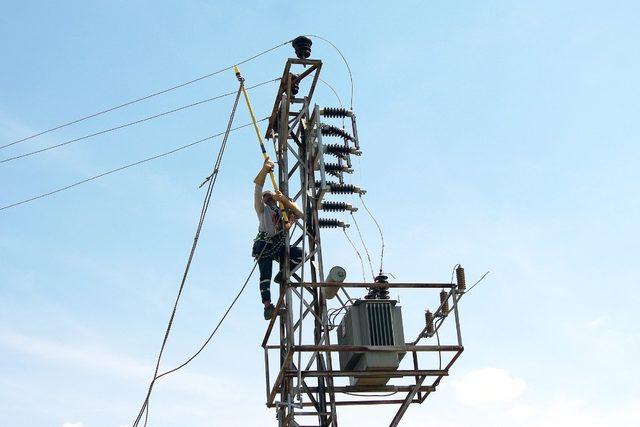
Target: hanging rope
203, 213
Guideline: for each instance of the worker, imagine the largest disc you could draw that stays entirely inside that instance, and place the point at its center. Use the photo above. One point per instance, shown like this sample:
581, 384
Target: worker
269, 243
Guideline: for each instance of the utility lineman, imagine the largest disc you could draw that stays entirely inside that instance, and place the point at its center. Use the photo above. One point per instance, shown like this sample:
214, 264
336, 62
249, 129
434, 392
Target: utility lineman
269, 243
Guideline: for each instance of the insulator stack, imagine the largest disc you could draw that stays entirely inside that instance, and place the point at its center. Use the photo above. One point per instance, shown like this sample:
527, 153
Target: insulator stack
329, 130
335, 112
334, 174
337, 207
444, 302
340, 150
379, 292
462, 284
383, 293
331, 223
428, 318
335, 168
302, 46
337, 188
295, 84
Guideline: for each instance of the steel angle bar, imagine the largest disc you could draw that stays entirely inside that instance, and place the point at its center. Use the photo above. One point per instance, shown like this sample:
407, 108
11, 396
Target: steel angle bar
378, 388
273, 320
441, 315
298, 195
407, 401
316, 64
307, 311
309, 308
398, 373
266, 370
439, 378
379, 285
365, 402
293, 170
378, 348
280, 377
298, 160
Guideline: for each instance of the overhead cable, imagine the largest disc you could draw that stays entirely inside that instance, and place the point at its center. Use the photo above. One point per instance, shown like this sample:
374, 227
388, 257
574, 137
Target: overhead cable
151, 95
366, 250
335, 93
118, 169
364, 276
203, 213
479, 280
332, 89
343, 59
144, 119
379, 230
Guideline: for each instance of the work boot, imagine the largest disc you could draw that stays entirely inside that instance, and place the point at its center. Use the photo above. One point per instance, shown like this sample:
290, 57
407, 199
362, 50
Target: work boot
278, 278
268, 311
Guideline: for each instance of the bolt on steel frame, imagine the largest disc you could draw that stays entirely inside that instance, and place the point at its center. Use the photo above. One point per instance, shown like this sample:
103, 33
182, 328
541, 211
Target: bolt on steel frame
305, 386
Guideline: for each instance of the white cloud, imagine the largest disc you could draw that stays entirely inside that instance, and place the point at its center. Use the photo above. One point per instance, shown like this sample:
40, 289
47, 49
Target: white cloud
487, 386
597, 321
566, 411
78, 424
102, 361
558, 411
90, 358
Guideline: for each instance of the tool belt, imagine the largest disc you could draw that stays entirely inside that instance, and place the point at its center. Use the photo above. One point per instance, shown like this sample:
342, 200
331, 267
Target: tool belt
267, 247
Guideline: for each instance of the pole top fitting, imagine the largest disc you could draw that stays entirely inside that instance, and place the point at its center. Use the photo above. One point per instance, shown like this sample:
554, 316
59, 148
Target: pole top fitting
302, 46
237, 71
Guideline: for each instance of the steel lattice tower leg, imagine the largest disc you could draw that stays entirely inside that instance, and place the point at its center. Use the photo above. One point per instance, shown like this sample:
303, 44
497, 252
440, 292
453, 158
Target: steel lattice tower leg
297, 146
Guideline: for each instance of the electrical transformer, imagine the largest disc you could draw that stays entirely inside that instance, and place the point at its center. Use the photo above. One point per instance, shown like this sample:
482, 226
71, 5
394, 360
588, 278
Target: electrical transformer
371, 323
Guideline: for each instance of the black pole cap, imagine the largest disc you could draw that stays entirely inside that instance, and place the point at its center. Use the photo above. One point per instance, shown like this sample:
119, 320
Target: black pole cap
302, 45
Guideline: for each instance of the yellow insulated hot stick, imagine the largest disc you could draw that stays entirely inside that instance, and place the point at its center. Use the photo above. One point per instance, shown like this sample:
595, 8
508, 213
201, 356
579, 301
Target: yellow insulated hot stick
262, 148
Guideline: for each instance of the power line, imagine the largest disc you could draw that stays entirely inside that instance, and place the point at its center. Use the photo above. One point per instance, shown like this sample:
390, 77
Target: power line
373, 275
144, 119
332, 89
151, 95
203, 213
364, 276
479, 280
148, 159
343, 59
379, 230
335, 93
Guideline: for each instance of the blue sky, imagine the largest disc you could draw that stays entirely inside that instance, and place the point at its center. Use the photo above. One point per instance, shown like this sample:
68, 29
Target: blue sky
499, 135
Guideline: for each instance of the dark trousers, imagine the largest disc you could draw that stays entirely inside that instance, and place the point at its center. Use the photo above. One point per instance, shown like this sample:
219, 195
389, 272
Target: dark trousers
265, 265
